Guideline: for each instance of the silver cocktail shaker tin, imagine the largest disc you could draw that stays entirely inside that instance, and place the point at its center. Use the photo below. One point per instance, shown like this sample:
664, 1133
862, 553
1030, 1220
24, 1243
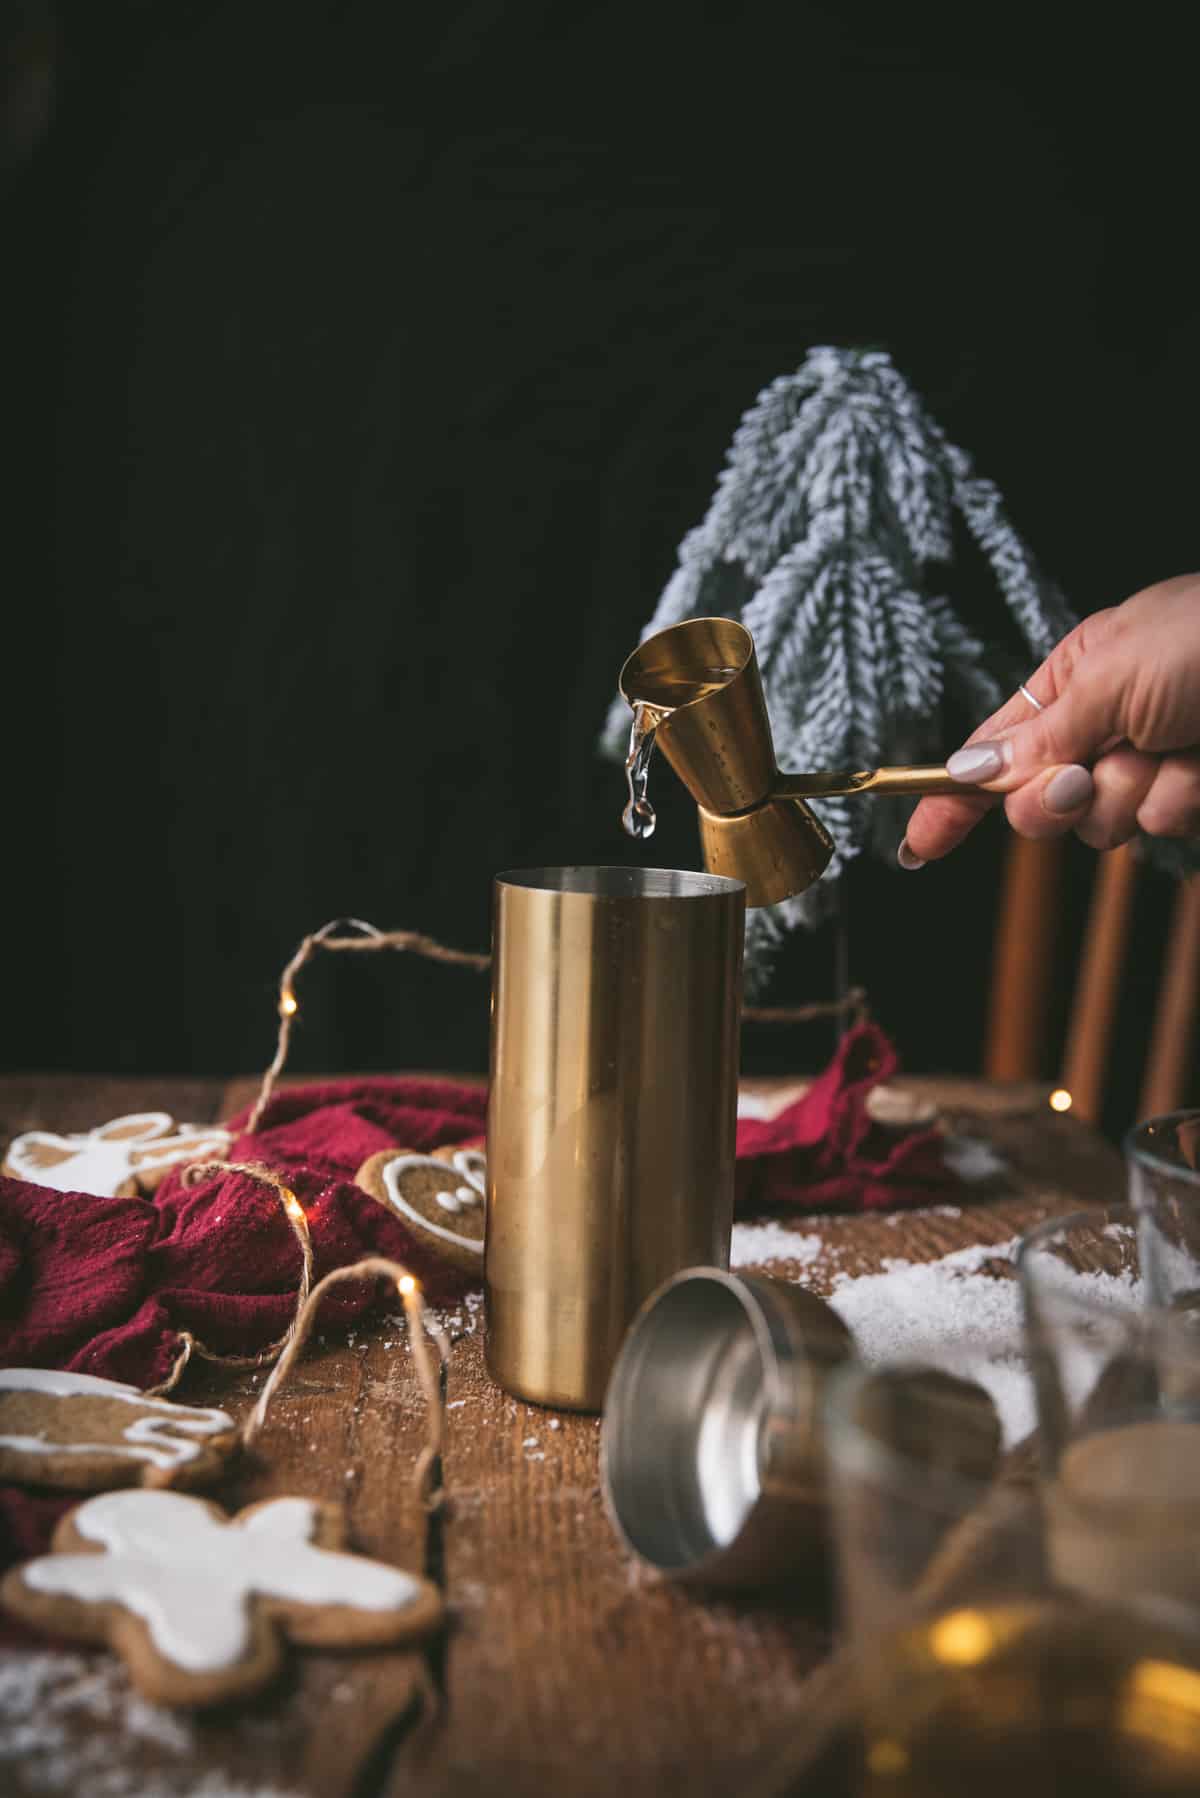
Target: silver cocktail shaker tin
711, 1445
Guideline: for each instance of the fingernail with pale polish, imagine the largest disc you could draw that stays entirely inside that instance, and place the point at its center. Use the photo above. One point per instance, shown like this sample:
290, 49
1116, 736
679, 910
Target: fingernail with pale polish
1070, 788
907, 859
979, 761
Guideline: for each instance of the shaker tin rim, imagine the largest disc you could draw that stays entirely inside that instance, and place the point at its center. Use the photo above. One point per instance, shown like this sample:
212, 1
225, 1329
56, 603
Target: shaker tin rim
615, 881
751, 1301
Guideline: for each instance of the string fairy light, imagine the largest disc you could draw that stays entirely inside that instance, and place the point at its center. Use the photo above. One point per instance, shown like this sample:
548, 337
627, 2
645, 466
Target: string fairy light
293, 1210
360, 936
363, 936
286, 1349
421, 1329
356, 935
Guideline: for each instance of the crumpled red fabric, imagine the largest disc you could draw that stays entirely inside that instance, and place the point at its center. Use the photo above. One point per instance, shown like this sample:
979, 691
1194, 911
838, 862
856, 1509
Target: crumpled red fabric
104, 1285
824, 1152
336, 1126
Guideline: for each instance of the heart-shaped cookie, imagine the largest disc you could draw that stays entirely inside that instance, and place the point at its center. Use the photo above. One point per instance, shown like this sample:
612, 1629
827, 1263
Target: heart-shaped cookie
441, 1197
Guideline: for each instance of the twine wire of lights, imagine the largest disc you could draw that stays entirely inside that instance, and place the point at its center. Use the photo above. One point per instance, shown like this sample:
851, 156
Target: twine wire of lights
357, 936
421, 1329
286, 1349
853, 1004
293, 1210
366, 937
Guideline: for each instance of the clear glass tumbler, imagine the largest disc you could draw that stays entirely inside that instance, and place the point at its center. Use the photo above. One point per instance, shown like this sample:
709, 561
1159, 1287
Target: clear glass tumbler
1111, 1301
974, 1673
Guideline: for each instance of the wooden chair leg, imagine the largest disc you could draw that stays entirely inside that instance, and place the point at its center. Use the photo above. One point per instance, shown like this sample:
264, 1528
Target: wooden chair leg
1015, 1042
1171, 1079
1097, 989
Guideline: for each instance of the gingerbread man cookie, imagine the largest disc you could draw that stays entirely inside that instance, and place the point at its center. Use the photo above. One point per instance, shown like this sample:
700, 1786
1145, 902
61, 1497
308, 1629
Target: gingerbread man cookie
197, 1603
122, 1160
77, 1431
439, 1196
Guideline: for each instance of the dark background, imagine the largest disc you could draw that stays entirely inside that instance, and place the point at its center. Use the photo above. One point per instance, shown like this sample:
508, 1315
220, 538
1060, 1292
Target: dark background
363, 366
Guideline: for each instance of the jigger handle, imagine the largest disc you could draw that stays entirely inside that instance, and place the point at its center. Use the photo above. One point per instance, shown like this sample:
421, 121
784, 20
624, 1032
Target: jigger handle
919, 780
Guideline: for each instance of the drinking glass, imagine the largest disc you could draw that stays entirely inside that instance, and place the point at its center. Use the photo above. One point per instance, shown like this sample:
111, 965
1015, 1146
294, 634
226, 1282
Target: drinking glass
974, 1674
1111, 1301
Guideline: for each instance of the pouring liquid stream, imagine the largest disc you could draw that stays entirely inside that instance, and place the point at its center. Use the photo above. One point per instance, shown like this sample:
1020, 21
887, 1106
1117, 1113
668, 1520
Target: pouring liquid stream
638, 818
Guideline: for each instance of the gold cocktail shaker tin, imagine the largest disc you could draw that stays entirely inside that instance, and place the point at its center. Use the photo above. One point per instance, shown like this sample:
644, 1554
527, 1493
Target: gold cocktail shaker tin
712, 1446
616, 999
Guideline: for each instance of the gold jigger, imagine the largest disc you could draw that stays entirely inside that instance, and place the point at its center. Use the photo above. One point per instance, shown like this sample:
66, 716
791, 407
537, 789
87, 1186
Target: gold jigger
700, 685
611, 1111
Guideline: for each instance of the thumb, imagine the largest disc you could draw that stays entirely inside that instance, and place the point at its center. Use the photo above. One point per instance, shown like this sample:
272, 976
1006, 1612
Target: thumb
1076, 726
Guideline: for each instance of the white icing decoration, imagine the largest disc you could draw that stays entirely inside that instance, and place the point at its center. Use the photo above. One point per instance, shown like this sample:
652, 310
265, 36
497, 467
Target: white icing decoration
392, 1171
463, 1197
101, 1160
472, 1165
160, 1439
189, 1574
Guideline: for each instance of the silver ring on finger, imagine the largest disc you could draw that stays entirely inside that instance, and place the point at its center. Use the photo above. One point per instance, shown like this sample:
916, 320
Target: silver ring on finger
1037, 705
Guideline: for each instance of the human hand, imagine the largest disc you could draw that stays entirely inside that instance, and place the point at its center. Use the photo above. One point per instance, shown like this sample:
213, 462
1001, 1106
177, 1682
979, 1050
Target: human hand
1121, 693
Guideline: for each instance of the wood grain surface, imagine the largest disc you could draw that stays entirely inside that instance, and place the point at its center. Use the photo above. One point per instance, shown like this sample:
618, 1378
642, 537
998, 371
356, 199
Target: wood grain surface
566, 1664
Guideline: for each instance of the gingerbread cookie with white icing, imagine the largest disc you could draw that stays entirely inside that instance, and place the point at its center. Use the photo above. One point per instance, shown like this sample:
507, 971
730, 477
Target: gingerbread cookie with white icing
125, 1159
198, 1603
440, 1197
77, 1431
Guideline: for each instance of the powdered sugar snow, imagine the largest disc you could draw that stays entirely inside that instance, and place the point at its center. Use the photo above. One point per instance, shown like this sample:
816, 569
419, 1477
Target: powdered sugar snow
961, 1313
950, 1314
755, 1244
68, 1723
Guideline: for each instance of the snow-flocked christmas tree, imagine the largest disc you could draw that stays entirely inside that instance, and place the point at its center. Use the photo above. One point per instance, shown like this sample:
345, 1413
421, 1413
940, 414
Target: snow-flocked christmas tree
830, 535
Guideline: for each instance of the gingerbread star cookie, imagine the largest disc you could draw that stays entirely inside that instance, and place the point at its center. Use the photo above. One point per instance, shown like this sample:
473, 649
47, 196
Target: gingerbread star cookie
125, 1159
81, 1432
440, 1196
198, 1603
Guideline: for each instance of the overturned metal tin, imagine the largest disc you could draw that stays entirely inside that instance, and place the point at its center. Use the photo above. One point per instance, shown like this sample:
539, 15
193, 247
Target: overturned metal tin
711, 1446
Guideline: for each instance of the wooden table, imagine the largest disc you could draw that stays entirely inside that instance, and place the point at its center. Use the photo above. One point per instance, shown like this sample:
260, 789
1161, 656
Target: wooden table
566, 1666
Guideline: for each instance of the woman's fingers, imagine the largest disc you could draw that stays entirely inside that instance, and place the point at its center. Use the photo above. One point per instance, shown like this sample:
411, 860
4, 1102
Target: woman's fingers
1100, 805
1056, 800
1020, 748
939, 824
1171, 807
1121, 678
1125, 791
1121, 779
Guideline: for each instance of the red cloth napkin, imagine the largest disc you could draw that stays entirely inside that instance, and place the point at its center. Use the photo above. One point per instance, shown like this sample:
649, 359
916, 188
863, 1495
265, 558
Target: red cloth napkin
337, 1126
104, 1285
825, 1152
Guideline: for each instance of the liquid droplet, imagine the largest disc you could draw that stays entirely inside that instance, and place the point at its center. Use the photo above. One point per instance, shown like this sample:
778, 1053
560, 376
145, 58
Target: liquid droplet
639, 819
